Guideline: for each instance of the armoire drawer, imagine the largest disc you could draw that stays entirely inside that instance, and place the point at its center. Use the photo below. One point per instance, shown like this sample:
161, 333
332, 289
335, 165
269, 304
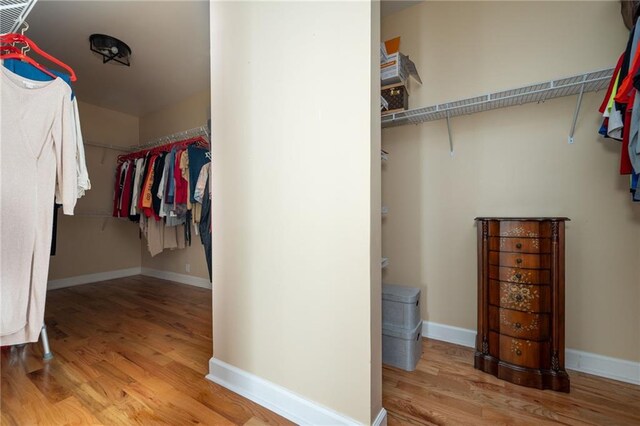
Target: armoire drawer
520, 297
518, 275
522, 325
520, 245
520, 260
522, 352
521, 229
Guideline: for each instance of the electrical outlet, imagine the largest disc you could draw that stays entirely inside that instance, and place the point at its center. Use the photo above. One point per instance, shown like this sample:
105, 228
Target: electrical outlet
187, 267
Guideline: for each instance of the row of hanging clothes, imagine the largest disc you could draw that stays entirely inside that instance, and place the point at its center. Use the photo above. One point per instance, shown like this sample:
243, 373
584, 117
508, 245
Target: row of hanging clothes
42, 160
621, 108
167, 190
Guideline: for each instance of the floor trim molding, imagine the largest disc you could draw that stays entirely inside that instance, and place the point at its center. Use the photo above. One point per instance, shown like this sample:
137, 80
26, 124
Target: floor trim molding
179, 278
129, 272
603, 366
274, 397
381, 418
585, 362
92, 278
449, 333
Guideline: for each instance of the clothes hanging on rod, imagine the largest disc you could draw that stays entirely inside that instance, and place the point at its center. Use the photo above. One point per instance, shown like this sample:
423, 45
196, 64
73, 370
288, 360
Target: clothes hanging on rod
621, 109
38, 164
153, 186
202, 194
84, 184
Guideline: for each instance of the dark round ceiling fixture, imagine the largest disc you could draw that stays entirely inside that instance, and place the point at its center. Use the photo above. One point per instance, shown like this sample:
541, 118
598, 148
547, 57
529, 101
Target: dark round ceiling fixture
110, 48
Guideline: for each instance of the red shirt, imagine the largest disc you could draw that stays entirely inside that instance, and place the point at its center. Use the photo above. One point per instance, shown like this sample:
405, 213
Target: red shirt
125, 205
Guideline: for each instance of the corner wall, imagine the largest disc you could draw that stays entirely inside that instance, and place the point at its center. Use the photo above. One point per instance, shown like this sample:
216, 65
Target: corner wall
292, 197
512, 162
91, 245
376, 219
194, 111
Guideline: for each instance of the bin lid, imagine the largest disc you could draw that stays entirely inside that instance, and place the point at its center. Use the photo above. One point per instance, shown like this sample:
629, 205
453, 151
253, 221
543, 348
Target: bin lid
401, 333
400, 293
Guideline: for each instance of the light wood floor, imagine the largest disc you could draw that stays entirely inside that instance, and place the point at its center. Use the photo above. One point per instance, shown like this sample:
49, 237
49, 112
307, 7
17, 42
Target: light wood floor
446, 390
135, 351
130, 351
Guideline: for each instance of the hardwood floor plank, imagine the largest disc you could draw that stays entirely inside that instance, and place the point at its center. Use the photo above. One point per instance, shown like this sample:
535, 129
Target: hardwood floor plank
127, 351
446, 389
135, 351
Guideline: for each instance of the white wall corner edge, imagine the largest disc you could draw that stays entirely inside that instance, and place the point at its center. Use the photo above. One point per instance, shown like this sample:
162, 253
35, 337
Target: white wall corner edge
584, 362
275, 397
92, 278
179, 278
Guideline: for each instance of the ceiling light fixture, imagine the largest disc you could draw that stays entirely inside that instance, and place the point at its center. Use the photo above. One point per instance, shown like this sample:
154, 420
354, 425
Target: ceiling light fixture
110, 48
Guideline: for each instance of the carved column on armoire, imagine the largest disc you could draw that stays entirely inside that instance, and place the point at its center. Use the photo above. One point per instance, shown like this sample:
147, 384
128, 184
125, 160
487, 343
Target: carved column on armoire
483, 274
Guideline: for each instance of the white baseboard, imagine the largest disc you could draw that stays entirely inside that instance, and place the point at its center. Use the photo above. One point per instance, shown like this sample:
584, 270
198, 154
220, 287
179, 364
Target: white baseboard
449, 333
381, 419
92, 278
179, 278
585, 362
603, 366
274, 397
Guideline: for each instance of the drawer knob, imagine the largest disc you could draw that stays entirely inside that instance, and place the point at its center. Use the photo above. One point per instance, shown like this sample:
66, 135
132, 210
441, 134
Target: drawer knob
518, 261
519, 298
518, 352
517, 326
519, 245
518, 275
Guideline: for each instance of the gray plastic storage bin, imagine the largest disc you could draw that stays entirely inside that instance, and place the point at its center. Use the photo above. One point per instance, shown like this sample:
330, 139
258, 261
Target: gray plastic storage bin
400, 306
401, 348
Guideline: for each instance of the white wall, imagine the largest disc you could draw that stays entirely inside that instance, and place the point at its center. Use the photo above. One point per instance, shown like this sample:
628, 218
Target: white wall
89, 244
292, 142
512, 162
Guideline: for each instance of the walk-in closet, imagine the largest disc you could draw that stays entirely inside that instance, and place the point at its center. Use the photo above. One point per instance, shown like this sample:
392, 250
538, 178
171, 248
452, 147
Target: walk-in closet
107, 114
319, 212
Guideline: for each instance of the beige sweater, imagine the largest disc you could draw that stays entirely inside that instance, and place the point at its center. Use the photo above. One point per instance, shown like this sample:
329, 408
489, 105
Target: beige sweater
37, 159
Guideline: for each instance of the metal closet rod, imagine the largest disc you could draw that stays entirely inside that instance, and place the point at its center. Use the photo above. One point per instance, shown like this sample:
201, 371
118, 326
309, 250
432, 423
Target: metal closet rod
106, 146
97, 214
175, 137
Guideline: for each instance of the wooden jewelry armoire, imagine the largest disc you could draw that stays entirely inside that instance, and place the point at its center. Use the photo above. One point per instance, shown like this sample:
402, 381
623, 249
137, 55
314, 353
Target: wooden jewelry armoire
521, 301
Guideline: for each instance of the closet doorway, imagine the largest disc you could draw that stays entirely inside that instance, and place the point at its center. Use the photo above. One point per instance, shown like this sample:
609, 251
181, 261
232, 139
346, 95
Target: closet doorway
129, 300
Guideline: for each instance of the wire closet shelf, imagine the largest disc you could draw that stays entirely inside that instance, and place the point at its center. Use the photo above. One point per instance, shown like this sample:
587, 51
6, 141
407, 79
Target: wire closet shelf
13, 13
575, 85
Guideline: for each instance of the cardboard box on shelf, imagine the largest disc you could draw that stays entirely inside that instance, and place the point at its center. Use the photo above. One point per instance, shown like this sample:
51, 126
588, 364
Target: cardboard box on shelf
394, 66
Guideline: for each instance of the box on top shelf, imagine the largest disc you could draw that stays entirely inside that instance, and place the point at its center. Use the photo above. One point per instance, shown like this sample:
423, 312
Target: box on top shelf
394, 66
397, 98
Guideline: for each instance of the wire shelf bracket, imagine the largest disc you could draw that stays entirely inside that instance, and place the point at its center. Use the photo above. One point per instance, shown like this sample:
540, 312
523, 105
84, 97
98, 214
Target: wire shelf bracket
575, 114
450, 138
538, 93
13, 14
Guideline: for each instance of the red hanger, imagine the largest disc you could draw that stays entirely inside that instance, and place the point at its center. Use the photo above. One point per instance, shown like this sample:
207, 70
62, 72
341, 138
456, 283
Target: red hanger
9, 48
27, 59
21, 38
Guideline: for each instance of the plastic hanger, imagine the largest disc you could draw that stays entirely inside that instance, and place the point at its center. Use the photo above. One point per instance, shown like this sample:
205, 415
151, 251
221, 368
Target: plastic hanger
28, 60
21, 38
9, 49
